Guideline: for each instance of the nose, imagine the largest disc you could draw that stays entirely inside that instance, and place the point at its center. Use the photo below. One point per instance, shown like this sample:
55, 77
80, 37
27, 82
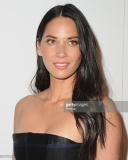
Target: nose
61, 51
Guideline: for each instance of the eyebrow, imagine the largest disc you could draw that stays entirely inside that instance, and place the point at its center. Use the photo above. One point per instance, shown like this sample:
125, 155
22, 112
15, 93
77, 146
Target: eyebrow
51, 36
72, 37
56, 38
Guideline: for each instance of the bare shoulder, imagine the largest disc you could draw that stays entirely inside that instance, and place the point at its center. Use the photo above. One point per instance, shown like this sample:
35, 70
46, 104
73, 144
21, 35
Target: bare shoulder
113, 132
109, 104
21, 105
28, 100
111, 111
24, 109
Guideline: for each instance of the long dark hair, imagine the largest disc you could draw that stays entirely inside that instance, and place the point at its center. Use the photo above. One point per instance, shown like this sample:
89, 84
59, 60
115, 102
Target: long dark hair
88, 80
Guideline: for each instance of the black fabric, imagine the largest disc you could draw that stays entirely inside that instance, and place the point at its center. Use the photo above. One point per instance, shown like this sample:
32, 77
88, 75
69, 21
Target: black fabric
44, 146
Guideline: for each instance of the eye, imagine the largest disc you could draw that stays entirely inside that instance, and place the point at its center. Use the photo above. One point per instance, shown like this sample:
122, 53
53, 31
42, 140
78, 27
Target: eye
50, 41
73, 43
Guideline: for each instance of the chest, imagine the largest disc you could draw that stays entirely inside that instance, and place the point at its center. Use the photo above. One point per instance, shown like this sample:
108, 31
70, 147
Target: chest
49, 118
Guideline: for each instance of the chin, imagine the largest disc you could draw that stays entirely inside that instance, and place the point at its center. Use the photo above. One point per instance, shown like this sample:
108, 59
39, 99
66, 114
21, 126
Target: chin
62, 77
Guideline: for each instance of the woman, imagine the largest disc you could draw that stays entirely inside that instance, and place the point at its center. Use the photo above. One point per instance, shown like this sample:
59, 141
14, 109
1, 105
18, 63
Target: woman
67, 71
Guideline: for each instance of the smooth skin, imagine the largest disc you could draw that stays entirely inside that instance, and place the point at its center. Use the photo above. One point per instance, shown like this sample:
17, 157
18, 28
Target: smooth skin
44, 112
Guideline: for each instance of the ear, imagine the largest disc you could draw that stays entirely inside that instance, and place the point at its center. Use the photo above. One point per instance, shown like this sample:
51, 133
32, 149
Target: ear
38, 49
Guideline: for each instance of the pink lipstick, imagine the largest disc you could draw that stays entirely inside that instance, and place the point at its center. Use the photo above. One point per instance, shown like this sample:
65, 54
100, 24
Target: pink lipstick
61, 65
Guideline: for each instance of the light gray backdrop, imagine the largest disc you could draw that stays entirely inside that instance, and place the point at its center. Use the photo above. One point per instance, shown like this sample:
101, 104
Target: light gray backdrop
18, 25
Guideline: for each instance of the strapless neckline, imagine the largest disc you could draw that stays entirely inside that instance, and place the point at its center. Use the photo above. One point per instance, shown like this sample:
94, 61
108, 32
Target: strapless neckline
47, 134
46, 146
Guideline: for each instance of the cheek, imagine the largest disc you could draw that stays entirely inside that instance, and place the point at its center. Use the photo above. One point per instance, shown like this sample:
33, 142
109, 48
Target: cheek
77, 57
46, 52
47, 57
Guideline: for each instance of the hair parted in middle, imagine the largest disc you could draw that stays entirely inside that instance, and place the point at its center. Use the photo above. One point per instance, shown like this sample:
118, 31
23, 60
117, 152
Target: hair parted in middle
88, 80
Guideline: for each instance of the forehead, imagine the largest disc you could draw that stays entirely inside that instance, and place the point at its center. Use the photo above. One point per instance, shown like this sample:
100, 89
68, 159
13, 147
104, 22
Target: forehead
61, 26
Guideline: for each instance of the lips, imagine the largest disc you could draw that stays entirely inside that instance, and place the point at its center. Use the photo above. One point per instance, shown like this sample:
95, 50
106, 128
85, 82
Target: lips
61, 65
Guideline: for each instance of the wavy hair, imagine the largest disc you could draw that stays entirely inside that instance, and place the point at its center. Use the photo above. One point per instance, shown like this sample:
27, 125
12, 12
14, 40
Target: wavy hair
88, 80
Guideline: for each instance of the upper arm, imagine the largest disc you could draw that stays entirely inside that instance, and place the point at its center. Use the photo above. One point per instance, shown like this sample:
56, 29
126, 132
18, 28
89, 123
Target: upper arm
18, 109
21, 104
113, 134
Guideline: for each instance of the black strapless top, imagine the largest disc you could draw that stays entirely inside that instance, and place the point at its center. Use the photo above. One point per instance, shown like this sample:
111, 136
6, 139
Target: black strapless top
44, 146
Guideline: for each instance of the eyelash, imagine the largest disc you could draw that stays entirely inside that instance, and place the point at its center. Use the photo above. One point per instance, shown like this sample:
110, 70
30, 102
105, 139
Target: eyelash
50, 40
53, 41
76, 42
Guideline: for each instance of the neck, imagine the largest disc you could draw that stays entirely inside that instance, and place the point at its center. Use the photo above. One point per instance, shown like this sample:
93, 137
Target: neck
60, 89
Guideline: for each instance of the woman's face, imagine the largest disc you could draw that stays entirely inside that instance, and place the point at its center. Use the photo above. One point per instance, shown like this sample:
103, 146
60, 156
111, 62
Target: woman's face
59, 48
